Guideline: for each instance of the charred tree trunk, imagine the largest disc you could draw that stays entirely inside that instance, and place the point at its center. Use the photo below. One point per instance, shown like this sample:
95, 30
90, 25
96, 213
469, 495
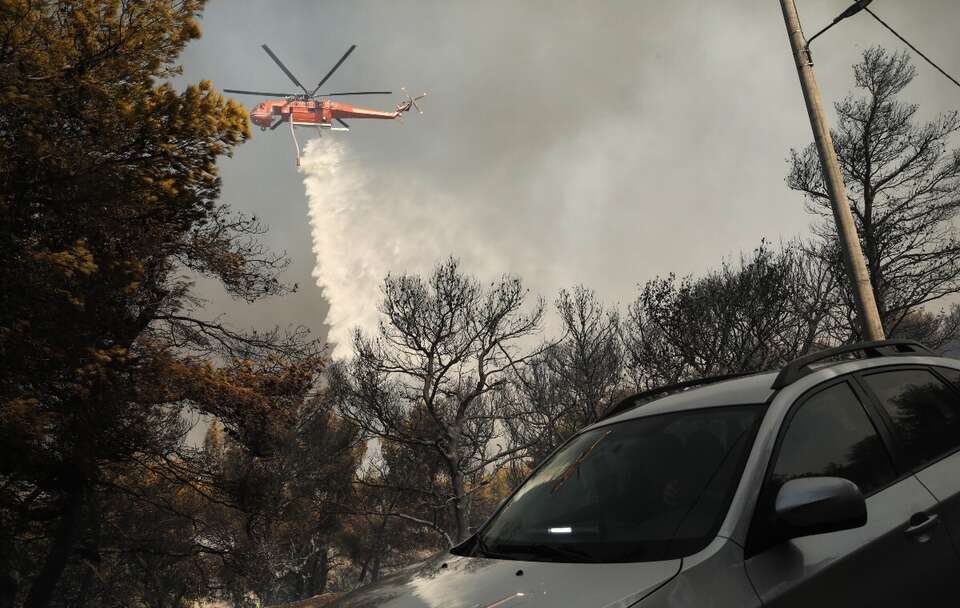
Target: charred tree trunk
375, 568
378, 548
61, 546
363, 569
89, 552
458, 506
8, 585
319, 573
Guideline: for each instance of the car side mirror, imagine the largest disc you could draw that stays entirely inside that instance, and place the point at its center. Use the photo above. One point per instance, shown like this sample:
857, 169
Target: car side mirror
817, 505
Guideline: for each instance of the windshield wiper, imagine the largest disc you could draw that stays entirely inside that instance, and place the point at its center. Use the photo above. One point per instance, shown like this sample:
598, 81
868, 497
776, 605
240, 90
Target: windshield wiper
542, 550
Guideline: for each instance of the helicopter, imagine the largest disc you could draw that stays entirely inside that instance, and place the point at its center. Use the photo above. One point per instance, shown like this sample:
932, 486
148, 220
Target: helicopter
314, 109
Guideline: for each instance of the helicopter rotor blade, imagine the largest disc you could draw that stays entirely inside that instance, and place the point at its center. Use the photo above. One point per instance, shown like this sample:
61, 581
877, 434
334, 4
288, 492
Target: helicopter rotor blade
414, 103
357, 93
284, 68
411, 101
342, 122
333, 69
259, 93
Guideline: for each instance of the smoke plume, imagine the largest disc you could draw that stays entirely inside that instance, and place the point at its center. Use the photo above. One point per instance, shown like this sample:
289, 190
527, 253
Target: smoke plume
360, 234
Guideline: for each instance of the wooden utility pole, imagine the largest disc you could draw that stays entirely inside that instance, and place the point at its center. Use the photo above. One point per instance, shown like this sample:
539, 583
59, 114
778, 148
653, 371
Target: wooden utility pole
846, 230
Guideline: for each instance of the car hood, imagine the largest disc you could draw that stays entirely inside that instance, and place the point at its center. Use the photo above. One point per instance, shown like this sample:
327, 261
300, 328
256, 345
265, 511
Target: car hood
452, 581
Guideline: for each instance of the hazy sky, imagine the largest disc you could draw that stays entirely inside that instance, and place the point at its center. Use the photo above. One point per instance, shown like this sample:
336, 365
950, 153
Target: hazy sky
601, 143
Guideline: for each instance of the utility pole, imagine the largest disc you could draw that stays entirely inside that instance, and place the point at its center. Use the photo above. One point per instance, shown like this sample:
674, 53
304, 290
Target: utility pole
846, 230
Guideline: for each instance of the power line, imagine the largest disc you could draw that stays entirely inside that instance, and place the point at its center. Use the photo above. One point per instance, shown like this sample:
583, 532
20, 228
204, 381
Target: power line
915, 49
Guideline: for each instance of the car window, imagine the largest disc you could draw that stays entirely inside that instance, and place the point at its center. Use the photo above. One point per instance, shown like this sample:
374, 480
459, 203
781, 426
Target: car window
832, 436
646, 489
828, 435
952, 375
923, 409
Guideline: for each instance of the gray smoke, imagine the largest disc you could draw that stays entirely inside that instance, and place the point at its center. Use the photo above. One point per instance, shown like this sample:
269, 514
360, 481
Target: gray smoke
362, 231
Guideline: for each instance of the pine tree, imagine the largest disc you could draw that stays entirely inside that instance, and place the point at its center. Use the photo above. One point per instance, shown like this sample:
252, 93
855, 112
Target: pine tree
108, 199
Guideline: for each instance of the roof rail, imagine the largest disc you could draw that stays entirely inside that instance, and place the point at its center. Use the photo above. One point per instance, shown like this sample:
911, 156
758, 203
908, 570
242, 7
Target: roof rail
798, 368
631, 401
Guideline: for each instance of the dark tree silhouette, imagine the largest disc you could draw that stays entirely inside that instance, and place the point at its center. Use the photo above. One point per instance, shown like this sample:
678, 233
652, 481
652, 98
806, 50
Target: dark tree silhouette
445, 346
903, 184
574, 381
759, 314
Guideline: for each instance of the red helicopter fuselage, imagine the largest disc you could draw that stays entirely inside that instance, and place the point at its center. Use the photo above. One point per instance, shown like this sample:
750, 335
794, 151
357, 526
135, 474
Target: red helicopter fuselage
320, 113
314, 109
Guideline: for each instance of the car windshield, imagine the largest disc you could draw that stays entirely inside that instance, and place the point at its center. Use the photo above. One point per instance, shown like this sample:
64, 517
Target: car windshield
646, 489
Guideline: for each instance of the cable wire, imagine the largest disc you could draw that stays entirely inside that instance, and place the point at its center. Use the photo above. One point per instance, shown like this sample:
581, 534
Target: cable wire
915, 49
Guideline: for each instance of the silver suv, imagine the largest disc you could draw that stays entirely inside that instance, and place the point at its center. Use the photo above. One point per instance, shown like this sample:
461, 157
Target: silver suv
826, 484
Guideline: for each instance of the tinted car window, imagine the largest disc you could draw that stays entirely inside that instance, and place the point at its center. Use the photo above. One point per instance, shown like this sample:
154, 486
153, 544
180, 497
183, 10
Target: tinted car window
832, 436
829, 435
646, 489
923, 409
953, 375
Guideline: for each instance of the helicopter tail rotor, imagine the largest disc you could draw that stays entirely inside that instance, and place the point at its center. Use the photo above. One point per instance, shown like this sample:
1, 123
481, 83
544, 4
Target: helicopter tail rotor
410, 102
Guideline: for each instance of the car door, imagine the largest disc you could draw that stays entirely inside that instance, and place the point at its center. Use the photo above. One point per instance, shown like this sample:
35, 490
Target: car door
887, 562
922, 406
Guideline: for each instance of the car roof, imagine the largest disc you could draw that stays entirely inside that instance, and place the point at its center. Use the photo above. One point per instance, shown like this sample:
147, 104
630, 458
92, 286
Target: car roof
760, 387
746, 390
749, 389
